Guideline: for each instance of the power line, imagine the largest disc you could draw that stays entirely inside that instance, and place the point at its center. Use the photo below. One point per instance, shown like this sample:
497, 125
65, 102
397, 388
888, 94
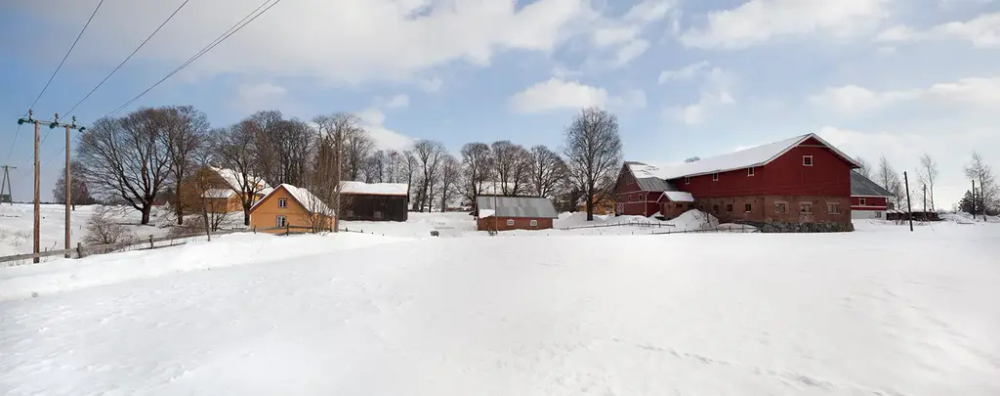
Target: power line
232, 30
11, 151
67, 54
126, 59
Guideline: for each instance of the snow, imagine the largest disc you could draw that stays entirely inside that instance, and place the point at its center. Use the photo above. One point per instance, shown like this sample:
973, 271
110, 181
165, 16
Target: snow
879, 311
484, 213
16, 226
679, 196
219, 193
354, 187
755, 156
309, 201
235, 179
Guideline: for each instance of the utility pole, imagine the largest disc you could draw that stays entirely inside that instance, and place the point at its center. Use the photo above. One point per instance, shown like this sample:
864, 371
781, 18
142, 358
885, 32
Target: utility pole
909, 209
68, 191
5, 185
36, 245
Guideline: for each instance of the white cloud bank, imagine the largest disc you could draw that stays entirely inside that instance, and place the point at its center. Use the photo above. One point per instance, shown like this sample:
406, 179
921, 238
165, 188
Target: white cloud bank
982, 31
558, 94
758, 21
856, 100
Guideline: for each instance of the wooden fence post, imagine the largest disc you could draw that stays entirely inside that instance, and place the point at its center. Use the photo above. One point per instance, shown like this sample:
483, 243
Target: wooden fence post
287, 228
150, 241
255, 230
79, 250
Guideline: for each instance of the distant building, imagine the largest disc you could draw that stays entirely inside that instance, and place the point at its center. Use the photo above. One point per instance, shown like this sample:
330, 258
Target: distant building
795, 181
868, 199
287, 205
374, 201
514, 213
602, 206
225, 193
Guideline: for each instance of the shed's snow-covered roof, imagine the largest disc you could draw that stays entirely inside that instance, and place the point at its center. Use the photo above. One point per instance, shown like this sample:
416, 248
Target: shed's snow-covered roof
530, 207
755, 156
354, 187
219, 193
679, 196
305, 198
644, 176
861, 186
235, 180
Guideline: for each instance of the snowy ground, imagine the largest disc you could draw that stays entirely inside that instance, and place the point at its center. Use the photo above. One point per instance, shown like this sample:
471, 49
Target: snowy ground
880, 311
16, 225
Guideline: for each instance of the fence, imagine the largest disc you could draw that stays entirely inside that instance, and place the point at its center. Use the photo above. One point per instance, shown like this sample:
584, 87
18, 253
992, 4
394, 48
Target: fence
629, 224
82, 250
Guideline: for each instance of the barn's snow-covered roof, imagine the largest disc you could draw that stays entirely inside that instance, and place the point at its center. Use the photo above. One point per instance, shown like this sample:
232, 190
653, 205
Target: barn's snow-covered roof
530, 207
861, 186
645, 177
755, 156
361, 188
219, 193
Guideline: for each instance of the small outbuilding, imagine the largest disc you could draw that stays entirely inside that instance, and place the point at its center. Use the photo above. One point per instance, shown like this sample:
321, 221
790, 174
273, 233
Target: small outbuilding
514, 213
374, 201
868, 199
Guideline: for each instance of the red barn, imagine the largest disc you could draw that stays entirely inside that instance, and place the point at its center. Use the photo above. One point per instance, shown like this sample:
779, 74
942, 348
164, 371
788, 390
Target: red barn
868, 200
802, 180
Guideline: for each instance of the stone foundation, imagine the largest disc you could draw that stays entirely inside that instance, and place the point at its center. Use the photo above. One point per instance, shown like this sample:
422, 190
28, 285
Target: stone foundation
786, 227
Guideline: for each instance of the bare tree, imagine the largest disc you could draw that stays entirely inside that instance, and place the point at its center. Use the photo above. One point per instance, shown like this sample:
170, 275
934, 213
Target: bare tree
547, 171
237, 149
865, 169
409, 166
888, 178
358, 146
80, 194
328, 171
376, 167
477, 169
982, 173
263, 129
126, 158
428, 154
185, 133
928, 174
593, 153
451, 170
510, 166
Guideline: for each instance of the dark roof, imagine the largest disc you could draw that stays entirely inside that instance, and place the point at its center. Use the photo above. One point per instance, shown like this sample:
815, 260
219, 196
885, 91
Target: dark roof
653, 184
861, 186
531, 207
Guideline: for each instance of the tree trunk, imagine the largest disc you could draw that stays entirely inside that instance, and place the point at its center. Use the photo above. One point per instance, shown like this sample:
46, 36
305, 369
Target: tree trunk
246, 218
146, 207
177, 204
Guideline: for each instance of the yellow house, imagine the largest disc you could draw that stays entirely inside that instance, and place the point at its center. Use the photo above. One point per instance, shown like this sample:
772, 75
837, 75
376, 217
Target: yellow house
604, 206
287, 205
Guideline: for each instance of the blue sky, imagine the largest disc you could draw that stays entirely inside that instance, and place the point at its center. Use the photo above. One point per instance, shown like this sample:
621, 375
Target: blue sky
875, 77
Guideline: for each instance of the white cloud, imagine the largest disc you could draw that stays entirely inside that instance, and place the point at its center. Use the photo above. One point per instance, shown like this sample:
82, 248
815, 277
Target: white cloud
348, 41
621, 38
974, 91
253, 97
685, 73
430, 85
759, 21
397, 101
372, 120
982, 31
854, 100
557, 94
615, 35
716, 91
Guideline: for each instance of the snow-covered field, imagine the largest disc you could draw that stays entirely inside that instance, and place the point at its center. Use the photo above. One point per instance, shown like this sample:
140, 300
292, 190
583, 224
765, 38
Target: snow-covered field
880, 311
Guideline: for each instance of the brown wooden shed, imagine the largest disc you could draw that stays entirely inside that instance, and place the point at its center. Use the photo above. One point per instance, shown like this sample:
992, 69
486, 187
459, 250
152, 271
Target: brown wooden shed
374, 201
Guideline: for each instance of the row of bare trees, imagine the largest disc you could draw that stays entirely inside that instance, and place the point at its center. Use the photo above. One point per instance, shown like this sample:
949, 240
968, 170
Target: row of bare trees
153, 154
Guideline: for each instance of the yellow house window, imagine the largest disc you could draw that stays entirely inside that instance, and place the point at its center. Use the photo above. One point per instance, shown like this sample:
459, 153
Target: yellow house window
280, 221
282, 203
